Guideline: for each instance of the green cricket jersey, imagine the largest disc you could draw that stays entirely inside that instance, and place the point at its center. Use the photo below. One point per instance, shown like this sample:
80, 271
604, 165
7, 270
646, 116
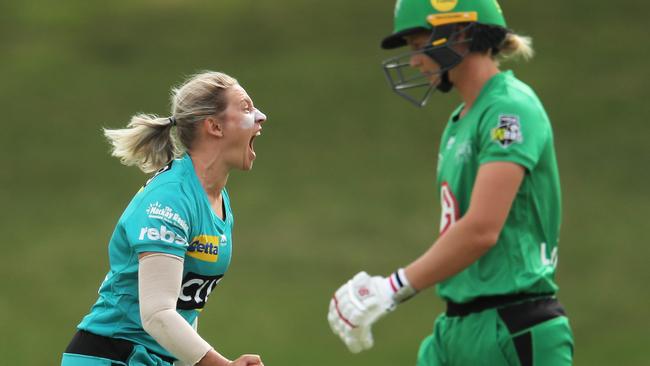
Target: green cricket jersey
506, 123
171, 214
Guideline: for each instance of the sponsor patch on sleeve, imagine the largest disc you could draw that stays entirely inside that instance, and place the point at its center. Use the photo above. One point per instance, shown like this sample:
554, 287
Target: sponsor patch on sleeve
167, 214
508, 130
160, 235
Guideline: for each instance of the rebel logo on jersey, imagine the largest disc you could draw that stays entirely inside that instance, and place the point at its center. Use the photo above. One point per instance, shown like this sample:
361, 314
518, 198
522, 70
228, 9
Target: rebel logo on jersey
161, 234
205, 247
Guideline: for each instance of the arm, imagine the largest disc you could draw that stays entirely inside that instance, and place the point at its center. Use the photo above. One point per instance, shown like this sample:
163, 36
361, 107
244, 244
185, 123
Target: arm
364, 299
159, 283
476, 232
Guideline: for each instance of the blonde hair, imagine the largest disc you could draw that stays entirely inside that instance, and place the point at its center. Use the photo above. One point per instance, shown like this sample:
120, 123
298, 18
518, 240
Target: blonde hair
515, 46
148, 141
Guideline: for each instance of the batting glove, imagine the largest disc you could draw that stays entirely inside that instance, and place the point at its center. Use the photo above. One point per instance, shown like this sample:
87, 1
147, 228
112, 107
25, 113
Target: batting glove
361, 302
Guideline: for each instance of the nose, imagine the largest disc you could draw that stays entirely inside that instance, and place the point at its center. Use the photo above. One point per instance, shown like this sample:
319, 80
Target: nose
415, 61
259, 116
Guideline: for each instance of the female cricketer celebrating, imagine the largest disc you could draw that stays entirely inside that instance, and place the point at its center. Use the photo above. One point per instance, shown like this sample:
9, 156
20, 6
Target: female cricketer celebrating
173, 243
494, 261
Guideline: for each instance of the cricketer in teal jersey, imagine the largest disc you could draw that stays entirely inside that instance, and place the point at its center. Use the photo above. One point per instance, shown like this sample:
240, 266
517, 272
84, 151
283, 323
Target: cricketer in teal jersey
495, 259
170, 214
173, 242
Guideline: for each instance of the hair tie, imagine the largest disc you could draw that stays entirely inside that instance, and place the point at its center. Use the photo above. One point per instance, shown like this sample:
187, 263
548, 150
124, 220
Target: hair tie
172, 120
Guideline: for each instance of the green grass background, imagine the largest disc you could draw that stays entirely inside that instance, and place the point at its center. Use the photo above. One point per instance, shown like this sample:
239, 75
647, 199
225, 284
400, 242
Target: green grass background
344, 178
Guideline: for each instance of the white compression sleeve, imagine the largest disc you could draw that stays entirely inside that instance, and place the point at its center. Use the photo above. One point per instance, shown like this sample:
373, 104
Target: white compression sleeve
159, 284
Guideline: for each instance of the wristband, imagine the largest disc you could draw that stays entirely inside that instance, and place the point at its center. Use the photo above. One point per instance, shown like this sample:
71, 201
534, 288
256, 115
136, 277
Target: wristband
400, 286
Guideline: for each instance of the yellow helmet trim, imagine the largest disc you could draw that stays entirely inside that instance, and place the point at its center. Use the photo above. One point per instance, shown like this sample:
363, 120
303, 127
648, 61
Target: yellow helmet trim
438, 42
450, 18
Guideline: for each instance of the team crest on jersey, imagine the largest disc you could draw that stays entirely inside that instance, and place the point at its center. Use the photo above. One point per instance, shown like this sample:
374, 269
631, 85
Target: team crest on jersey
508, 131
205, 248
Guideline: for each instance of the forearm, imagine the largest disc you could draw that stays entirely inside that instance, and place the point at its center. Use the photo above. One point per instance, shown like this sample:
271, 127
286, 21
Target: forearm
460, 246
476, 232
177, 336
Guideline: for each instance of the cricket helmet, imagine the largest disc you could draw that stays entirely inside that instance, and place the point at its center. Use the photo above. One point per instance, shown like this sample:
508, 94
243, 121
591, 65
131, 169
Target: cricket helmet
441, 18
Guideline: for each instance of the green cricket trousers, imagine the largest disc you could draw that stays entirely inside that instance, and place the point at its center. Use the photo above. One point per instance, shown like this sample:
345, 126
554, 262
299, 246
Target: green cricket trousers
512, 330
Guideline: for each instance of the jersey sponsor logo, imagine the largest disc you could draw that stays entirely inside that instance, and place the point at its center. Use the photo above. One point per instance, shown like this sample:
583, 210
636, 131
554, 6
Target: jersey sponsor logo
167, 214
546, 260
444, 5
508, 130
450, 212
161, 234
195, 290
463, 151
204, 247
451, 142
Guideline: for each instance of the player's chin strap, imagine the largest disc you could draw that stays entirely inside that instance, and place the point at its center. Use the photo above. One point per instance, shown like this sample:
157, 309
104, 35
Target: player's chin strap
445, 85
441, 51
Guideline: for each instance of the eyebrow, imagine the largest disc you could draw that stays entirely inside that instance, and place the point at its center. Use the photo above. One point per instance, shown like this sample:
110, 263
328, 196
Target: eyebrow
419, 43
247, 101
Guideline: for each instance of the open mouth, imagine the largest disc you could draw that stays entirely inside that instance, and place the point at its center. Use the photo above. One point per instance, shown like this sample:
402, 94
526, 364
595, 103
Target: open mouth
251, 144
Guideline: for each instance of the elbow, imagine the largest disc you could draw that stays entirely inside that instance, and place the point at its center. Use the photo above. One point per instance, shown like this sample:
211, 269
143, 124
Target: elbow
487, 240
484, 235
147, 323
153, 322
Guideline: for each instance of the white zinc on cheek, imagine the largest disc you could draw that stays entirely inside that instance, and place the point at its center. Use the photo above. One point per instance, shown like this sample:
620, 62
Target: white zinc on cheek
249, 121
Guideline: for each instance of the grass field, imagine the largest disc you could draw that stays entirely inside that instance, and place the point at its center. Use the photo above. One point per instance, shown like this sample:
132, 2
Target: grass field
344, 178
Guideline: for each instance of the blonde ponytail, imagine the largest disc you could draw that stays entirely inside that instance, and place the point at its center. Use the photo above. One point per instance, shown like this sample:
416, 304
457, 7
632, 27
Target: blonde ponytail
147, 142
516, 46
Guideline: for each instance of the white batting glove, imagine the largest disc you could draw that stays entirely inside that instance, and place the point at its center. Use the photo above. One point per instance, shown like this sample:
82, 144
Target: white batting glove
361, 302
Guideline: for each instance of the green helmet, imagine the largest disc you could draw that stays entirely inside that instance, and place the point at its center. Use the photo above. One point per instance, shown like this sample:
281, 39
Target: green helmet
416, 15
446, 21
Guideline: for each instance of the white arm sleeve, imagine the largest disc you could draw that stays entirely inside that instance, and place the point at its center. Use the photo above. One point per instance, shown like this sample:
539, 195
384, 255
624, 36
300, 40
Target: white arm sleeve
159, 284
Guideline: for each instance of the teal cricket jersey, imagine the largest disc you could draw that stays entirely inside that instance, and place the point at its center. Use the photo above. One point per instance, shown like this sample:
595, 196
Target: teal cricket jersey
506, 123
170, 214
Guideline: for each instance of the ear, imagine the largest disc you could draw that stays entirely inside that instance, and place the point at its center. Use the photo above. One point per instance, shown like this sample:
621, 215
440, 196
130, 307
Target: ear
213, 126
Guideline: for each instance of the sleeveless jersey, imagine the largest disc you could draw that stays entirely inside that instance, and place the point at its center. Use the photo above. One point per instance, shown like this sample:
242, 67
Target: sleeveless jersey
507, 123
170, 214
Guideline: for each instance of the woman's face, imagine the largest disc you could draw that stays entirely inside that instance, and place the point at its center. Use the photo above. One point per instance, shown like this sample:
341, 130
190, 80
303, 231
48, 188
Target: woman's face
425, 64
242, 124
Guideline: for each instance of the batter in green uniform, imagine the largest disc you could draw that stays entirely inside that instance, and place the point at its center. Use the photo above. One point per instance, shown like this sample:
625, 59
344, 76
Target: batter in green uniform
495, 259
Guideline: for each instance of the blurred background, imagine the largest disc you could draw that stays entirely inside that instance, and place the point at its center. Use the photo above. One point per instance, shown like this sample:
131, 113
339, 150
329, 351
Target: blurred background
345, 174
